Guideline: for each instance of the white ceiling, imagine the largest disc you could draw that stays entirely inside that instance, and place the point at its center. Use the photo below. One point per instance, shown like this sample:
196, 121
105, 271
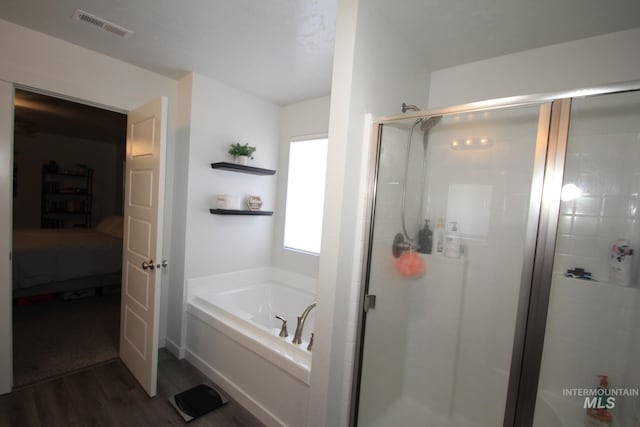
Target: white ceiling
282, 50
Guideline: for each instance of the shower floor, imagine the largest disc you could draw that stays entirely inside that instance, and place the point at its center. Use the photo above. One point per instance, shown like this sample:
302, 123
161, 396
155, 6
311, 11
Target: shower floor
408, 412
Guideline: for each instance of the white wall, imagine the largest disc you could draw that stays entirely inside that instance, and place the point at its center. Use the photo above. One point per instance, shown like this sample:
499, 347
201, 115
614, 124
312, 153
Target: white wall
221, 115
212, 117
36, 60
6, 192
374, 74
174, 299
596, 60
306, 118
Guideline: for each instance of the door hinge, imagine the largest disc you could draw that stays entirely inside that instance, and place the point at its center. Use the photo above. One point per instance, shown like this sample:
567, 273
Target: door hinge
369, 302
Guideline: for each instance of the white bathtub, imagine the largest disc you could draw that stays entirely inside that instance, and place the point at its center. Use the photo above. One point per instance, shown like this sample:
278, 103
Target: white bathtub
232, 335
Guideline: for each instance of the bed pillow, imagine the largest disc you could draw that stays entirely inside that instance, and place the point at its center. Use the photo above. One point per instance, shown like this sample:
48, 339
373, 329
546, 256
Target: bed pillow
112, 226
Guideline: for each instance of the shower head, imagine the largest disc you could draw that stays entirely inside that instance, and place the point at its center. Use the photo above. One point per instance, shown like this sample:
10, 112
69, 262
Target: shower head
429, 123
425, 127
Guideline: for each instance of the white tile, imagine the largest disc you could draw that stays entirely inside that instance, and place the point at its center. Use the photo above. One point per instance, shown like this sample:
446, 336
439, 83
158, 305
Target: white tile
568, 208
589, 183
634, 189
563, 244
584, 246
614, 206
562, 262
624, 228
565, 224
585, 225
632, 207
589, 205
588, 161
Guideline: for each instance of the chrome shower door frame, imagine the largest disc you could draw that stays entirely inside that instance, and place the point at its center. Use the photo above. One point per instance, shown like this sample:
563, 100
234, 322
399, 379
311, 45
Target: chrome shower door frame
540, 239
535, 286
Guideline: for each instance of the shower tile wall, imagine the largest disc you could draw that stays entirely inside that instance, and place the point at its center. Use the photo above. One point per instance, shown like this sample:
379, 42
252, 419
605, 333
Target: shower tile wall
596, 323
607, 170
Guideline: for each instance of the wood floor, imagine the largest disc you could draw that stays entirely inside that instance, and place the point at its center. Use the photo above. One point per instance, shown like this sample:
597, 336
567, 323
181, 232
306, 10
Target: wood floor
107, 395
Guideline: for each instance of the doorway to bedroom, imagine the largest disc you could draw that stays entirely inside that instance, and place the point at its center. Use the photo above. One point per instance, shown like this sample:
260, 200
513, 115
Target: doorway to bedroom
67, 235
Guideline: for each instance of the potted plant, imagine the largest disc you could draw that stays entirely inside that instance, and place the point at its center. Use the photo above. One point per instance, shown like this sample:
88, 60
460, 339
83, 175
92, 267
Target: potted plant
241, 153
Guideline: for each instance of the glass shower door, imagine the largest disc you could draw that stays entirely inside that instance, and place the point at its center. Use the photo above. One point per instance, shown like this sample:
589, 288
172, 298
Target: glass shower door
437, 346
592, 336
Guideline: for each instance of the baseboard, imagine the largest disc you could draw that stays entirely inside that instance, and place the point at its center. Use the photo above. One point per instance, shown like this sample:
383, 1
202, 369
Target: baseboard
235, 392
162, 342
174, 348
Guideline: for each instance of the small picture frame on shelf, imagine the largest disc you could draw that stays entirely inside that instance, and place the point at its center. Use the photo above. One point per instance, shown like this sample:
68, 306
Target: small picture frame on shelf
254, 203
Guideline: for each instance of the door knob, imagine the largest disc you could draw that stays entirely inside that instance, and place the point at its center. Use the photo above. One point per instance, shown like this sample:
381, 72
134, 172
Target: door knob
163, 264
148, 265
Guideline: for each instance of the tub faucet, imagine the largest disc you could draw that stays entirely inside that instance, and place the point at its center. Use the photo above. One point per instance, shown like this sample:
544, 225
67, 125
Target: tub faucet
297, 337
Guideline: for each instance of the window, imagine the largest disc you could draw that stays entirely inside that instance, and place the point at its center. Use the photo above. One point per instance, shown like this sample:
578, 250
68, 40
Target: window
305, 195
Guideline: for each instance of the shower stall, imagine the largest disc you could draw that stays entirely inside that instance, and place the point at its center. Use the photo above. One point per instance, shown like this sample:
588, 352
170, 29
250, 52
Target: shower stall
542, 298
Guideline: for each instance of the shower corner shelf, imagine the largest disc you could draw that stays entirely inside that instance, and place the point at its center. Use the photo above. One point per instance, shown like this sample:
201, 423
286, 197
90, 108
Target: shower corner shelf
239, 212
234, 167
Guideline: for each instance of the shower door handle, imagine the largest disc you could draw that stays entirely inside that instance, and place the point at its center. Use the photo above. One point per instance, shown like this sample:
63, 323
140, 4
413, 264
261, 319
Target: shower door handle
369, 302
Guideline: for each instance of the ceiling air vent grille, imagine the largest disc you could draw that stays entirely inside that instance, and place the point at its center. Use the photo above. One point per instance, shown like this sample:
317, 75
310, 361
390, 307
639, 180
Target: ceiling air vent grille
103, 24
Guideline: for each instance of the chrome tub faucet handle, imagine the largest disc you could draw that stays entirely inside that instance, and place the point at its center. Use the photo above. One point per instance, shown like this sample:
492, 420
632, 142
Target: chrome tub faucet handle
310, 346
283, 329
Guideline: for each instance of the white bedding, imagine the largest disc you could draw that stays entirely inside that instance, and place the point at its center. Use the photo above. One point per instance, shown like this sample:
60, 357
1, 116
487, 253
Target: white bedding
54, 255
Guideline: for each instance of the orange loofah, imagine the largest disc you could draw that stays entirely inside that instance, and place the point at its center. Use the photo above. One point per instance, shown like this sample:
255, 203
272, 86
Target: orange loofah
410, 264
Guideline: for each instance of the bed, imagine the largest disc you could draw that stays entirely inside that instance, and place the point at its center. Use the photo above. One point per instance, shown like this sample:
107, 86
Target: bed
62, 260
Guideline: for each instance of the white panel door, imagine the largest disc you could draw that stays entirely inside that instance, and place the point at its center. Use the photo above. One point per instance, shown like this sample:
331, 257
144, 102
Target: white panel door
142, 251
6, 168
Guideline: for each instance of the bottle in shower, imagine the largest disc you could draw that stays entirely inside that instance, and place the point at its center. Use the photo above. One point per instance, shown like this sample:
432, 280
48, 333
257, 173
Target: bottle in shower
425, 239
453, 242
438, 237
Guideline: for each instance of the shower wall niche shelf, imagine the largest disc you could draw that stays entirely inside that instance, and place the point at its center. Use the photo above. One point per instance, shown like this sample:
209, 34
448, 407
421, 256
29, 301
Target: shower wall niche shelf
234, 167
239, 212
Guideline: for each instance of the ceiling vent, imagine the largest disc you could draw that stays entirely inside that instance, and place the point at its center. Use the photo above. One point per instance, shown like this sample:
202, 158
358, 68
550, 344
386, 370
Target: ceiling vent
103, 24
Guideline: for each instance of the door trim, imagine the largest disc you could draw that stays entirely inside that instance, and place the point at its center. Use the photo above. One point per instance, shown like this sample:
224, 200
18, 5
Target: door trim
6, 236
